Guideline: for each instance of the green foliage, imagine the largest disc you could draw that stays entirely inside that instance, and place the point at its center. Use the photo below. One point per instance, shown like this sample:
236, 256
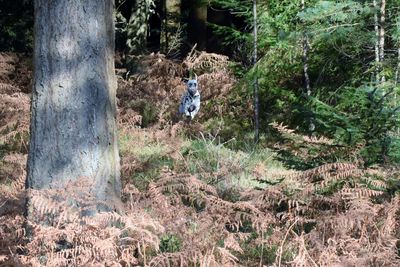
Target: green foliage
235, 38
394, 148
148, 156
134, 28
226, 168
147, 110
268, 253
170, 243
207, 156
16, 20
346, 104
239, 8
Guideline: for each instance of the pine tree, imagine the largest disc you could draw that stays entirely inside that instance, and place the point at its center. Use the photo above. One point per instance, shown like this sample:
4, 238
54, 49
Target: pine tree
73, 127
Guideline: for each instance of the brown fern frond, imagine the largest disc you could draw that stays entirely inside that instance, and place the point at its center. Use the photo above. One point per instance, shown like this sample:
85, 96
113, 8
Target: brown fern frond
183, 258
227, 258
3, 258
203, 61
317, 140
231, 243
170, 182
8, 89
236, 213
378, 184
332, 171
262, 174
14, 119
284, 129
355, 193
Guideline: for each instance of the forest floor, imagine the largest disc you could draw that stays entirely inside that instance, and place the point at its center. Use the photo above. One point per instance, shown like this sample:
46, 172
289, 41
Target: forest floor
191, 199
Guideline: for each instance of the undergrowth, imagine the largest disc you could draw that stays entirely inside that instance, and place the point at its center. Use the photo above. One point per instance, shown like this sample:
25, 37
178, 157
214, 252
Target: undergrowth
193, 199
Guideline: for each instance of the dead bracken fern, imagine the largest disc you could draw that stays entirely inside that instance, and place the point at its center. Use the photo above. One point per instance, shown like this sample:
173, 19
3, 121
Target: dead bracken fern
341, 206
200, 61
283, 129
329, 214
15, 73
14, 119
69, 238
184, 194
157, 82
313, 148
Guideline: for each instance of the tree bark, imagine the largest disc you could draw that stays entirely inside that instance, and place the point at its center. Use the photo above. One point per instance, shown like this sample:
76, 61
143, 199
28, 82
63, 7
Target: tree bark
386, 140
377, 51
170, 39
382, 35
73, 127
305, 47
396, 75
305, 57
256, 89
396, 81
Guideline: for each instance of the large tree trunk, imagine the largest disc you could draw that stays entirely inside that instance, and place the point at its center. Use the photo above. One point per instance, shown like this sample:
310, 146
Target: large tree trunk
73, 127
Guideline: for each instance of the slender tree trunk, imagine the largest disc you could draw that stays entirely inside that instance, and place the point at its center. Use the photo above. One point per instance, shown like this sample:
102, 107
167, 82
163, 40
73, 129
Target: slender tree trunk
382, 35
381, 41
377, 50
170, 39
306, 47
305, 57
305, 66
73, 127
255, 59
396, 81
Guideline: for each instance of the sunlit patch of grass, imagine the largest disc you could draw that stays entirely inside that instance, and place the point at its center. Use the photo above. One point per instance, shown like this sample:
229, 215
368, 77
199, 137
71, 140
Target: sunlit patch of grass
226, 168
150, 156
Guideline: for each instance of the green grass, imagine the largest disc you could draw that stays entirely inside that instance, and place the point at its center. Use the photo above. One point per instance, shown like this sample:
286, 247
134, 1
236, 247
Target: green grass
215, 163
141, 179
219, 165
151, 156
